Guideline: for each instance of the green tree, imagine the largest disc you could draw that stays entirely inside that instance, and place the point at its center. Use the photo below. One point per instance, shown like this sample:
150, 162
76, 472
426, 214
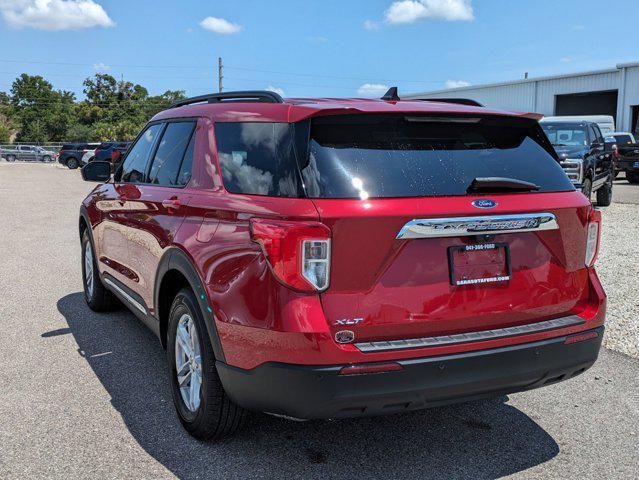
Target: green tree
80, 133
7, 126
44, 114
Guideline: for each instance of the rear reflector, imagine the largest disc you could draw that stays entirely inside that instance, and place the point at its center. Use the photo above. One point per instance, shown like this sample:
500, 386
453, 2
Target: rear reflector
375, 368
580, 337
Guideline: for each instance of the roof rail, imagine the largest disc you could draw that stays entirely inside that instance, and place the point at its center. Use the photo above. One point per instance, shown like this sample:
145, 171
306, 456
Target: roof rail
460, 101
260, 96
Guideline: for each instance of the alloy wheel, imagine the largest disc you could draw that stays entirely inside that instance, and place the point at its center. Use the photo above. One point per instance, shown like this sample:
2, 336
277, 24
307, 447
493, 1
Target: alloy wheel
88, 269
188, 362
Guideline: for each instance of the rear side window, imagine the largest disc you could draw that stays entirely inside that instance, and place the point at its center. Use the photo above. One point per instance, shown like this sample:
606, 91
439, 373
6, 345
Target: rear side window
382, 156
135, 163
170, 153
258, 158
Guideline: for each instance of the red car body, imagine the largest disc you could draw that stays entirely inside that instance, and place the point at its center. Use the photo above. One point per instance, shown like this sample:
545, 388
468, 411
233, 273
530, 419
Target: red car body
280, 346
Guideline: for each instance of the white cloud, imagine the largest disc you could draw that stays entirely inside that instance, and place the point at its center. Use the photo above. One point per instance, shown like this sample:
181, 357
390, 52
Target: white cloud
374, 90
54, 15
566, 59
410, 11
457, 83
371, 25
101, 67
318, 39
277, 90
221, 26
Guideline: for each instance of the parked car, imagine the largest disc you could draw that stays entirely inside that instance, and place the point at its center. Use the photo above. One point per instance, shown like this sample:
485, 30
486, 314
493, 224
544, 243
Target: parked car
606, 123
71, 153
626, 151
585, 157
87, 156
106, 151
27, 153
344, 258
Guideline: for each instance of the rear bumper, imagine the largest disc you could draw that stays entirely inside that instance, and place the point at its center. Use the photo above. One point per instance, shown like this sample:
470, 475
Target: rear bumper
308, 392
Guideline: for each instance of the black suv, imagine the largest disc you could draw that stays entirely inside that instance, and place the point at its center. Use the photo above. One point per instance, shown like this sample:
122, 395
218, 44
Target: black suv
585, 157
71, 153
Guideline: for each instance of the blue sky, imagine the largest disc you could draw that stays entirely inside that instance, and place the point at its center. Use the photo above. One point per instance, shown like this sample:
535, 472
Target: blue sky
312, 48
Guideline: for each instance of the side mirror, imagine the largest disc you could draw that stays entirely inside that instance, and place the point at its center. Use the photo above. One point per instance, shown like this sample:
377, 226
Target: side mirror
96, 172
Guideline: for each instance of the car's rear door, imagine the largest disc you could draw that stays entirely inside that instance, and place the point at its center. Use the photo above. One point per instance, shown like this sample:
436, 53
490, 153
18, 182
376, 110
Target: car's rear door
414, 253
27, 153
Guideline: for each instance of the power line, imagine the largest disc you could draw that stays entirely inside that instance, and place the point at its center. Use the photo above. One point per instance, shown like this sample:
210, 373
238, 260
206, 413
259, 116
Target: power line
243, 68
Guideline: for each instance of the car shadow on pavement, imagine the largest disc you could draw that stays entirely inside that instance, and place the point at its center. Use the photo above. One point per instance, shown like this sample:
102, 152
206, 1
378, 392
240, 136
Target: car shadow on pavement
485, 439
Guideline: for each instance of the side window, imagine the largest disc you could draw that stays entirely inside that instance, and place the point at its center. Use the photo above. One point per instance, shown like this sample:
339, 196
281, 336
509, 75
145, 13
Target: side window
187, 163
598, 135
258, 158
135, 163
168, 158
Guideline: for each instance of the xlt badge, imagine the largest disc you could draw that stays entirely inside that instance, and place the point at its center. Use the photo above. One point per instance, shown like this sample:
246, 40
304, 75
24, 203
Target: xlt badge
348, 321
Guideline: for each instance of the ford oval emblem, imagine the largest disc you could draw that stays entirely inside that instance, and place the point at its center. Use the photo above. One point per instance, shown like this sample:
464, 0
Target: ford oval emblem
484, 203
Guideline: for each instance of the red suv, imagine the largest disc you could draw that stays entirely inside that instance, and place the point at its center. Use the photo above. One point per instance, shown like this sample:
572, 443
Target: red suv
326, 258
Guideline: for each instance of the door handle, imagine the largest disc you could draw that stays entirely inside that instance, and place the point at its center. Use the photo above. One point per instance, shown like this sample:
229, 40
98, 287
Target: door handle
172, 202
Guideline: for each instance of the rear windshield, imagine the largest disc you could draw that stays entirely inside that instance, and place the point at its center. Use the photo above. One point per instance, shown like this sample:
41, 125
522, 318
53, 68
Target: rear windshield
621, 139
381, 156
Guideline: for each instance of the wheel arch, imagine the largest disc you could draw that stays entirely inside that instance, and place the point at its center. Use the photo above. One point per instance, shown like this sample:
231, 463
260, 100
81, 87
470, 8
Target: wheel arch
175, 271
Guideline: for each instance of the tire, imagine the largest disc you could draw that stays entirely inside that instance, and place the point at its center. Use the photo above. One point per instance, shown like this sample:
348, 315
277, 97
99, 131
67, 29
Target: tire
72, 163
46, 158
632, 177
586, 188
604, 194
211, 415
11, 158
98, 298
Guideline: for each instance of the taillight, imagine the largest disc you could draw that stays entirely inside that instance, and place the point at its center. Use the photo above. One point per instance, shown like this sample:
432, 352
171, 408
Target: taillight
593, 235
299, 253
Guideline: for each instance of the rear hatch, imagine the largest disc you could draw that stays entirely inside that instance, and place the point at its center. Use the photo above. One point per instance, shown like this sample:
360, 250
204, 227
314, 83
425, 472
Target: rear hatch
444, 225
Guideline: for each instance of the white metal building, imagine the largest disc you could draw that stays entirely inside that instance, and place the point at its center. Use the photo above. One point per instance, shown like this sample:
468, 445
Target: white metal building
603, 92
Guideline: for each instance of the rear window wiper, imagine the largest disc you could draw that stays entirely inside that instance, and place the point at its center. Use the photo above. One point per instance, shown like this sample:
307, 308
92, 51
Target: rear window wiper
500, 184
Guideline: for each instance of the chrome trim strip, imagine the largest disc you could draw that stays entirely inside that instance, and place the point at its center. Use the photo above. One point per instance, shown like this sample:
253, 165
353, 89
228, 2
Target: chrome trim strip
480, 225
556, 323
128, 297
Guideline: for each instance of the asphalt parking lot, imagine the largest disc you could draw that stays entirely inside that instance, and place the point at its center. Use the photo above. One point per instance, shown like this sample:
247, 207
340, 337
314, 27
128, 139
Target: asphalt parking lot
83, 395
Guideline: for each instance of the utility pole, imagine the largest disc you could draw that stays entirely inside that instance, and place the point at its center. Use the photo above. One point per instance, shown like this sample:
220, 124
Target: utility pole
219, 74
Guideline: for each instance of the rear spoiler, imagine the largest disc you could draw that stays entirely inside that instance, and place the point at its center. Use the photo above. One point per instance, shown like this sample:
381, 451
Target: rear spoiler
531, 115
